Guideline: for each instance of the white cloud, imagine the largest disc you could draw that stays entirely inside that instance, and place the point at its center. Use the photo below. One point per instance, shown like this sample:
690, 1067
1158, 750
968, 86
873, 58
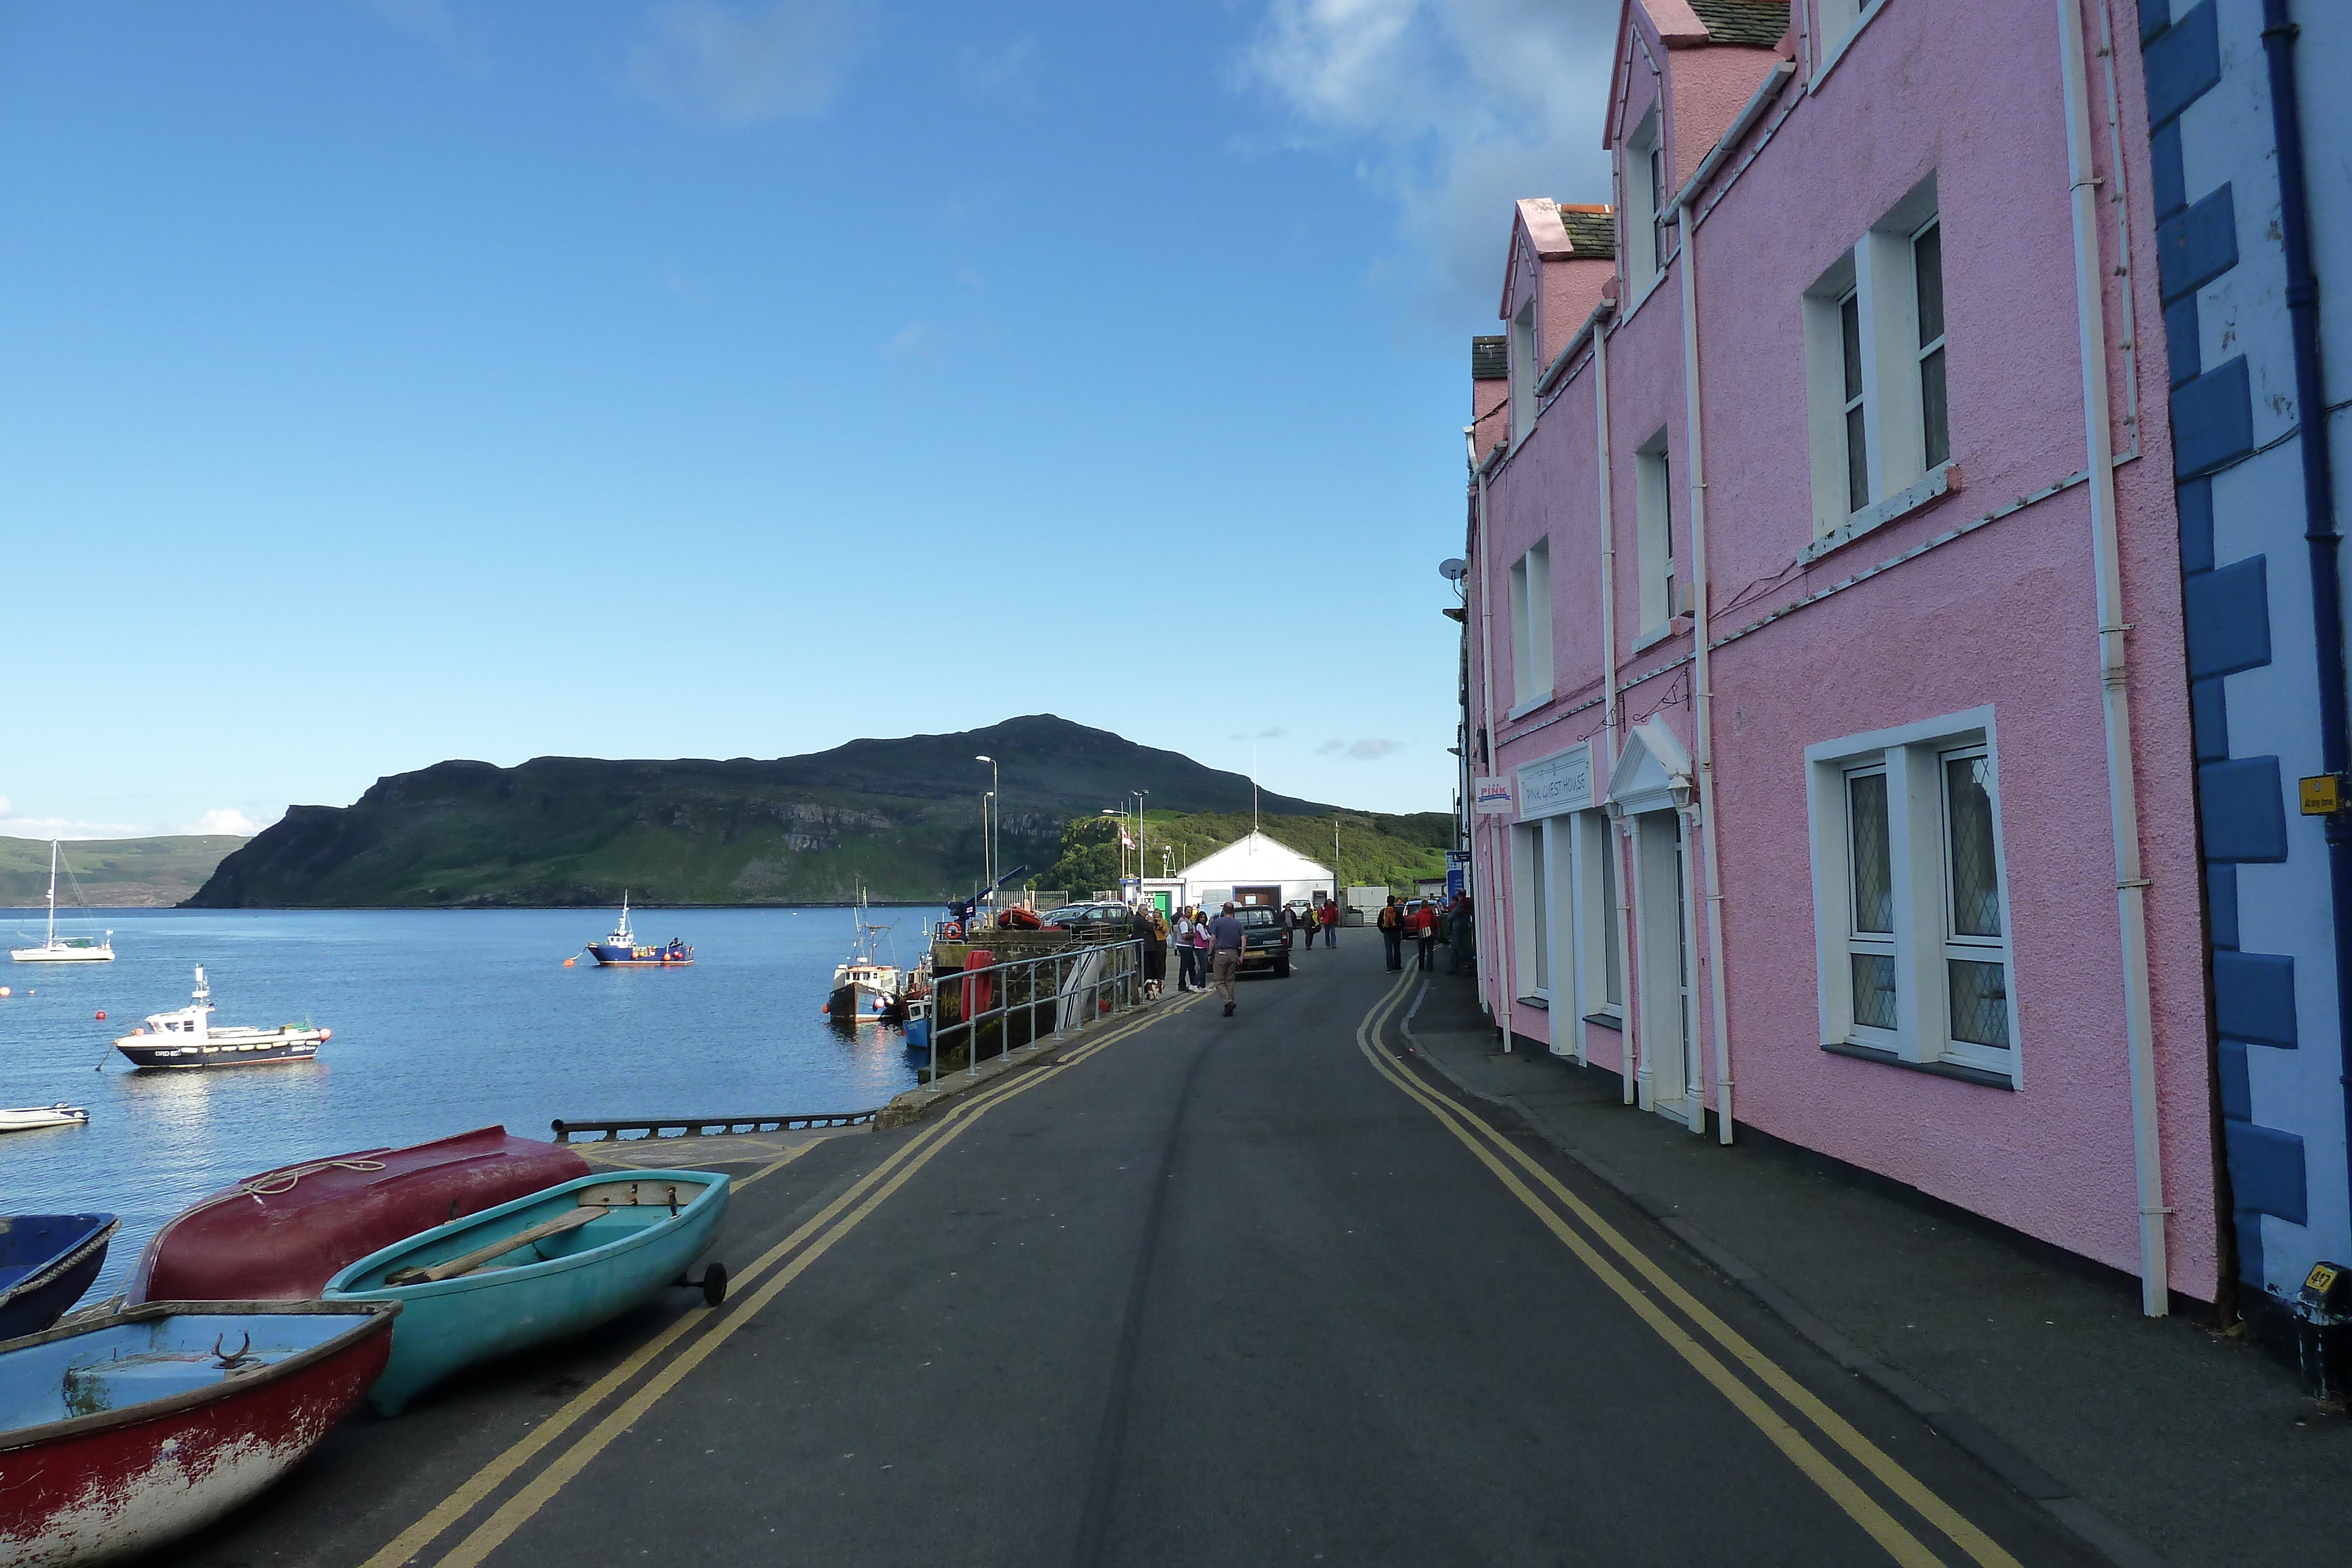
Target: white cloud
1453, 109
915, 340
436, 24
228, 820
66, 828
728, 65
1008, 75
1367, 750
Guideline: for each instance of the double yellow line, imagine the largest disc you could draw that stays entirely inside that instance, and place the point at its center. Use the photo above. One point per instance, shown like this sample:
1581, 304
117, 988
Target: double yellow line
829, 1225
1556, 1207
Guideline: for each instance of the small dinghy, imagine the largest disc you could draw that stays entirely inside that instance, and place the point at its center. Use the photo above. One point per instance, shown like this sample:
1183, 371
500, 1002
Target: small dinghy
283, 1234
125, 1433
26, 1118
46, 1262
535, 1270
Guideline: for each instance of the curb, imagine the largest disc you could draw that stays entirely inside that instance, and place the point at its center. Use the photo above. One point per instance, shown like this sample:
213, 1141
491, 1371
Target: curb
2077, 1517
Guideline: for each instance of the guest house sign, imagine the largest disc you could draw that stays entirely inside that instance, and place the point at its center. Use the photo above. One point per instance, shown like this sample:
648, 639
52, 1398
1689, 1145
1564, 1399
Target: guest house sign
1560, 783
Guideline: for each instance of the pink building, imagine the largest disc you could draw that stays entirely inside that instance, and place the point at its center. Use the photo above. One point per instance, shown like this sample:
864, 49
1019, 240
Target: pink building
1825, 674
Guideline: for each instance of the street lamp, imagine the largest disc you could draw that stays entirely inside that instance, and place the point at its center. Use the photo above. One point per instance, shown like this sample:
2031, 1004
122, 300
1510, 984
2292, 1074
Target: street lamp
988, 813
1114, 812
1139, 795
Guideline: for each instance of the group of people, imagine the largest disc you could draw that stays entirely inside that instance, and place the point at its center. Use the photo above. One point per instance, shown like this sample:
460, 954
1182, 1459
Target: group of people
1208, 948
1427, 924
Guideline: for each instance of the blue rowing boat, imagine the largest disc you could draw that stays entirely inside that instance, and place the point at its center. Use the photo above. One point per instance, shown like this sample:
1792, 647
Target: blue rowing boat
46, 1262
534, 1270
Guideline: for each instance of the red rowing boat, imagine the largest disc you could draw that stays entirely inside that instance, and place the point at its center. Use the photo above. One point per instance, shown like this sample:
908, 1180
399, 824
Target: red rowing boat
121, 1434
282, 1234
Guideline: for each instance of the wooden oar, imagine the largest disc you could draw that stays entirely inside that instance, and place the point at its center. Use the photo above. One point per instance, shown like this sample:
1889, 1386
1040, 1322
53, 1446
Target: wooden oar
465, 1263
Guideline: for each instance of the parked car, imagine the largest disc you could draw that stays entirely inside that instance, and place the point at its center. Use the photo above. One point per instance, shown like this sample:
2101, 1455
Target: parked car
1264, 944
1071, 916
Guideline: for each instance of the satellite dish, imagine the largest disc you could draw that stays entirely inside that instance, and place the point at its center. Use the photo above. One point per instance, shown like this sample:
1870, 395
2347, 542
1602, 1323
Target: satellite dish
1452, 570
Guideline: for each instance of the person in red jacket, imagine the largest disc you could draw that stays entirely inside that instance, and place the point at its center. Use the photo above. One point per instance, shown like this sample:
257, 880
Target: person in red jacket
1422, 921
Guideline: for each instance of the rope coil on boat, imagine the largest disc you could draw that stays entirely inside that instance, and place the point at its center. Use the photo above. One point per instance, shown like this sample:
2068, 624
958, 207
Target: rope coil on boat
279, 1182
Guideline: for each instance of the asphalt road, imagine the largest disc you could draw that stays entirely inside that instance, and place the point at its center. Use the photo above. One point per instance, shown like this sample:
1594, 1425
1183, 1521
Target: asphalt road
1217, 1291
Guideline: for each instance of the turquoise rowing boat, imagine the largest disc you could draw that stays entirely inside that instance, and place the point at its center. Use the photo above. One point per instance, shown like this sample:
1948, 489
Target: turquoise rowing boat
542, 1267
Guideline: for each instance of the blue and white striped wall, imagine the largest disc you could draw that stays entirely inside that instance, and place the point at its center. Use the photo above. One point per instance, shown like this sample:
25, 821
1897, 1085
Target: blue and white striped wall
2246, 582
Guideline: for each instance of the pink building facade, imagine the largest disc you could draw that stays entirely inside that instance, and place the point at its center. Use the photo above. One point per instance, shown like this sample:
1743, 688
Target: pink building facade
1826, 703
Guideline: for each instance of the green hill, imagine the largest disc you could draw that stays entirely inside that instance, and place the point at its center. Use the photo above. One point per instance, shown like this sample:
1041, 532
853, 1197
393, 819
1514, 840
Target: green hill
1374, 848
111, 874
901, 816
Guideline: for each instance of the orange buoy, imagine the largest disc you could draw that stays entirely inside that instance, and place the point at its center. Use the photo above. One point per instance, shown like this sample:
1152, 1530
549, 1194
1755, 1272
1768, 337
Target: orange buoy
4, 990
325, 1035
102, 1015
569, 962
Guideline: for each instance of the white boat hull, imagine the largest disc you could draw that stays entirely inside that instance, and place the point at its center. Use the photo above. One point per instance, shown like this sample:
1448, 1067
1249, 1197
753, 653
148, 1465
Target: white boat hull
26, 1119
62, 955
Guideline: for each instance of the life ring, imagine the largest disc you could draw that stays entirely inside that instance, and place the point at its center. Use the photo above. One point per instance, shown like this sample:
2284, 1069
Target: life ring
951, 930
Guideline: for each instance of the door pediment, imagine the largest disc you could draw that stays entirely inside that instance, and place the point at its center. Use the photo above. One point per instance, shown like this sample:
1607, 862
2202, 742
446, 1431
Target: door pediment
1650, 773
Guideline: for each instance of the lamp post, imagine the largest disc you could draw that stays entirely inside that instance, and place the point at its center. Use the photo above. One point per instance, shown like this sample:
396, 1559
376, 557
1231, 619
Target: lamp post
1139, 795
988, 813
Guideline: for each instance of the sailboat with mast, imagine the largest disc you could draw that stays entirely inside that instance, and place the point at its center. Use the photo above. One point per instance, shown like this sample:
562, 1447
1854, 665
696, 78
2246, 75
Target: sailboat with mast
56, 949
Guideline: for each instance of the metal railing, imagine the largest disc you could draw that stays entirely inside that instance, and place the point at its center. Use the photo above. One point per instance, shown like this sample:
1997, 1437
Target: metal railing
1083, 979
705, 1126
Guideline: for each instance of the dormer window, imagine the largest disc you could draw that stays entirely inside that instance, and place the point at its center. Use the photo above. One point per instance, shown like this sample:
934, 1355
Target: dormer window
1524, 368
1648, 222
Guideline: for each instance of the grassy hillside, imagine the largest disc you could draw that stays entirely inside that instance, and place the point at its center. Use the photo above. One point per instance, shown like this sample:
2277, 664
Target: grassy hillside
114, 873
1375, 849
901, 816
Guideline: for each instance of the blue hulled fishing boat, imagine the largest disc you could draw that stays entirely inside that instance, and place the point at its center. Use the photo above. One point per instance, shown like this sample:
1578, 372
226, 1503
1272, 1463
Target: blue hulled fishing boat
621, 949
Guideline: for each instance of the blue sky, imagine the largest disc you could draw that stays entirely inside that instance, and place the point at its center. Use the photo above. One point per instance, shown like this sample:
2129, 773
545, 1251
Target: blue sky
387, 382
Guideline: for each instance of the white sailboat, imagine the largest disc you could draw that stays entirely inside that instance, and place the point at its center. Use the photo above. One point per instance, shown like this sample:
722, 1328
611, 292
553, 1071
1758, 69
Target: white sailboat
55, 949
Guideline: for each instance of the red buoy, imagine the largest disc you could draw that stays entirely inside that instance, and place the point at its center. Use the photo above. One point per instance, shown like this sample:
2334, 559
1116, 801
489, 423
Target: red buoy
102, 1015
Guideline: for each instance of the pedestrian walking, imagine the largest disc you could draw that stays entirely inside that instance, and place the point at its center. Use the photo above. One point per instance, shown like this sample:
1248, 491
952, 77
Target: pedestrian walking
1188, 958
1202, 942
1424, 921
1225, 950
1393, 931
1330, 923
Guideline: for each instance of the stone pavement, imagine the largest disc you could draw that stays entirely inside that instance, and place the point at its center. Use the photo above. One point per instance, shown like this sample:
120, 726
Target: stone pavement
2157, 1439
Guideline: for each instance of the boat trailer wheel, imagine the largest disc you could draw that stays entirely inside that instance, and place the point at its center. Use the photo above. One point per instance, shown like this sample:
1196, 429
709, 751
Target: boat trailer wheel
713, 1284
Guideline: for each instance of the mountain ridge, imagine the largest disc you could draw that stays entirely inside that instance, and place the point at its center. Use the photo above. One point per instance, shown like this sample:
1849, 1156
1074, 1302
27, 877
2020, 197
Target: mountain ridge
899, 816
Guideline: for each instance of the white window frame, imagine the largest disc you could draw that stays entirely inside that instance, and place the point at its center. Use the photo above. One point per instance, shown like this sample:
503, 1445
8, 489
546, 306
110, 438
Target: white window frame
1836, 24
1534, 915
1654, 524
1531, 634
1598, 879
1879, 278
1645, 256
1924, 941
1525, 364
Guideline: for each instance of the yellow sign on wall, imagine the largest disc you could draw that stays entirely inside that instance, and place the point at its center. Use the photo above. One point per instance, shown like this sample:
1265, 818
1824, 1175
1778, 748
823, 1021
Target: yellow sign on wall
2323, 795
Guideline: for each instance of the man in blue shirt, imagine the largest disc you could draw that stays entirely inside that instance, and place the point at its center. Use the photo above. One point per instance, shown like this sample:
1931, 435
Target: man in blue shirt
1225, 954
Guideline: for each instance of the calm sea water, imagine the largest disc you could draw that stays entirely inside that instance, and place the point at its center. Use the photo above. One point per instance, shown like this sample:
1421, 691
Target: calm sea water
443, 1020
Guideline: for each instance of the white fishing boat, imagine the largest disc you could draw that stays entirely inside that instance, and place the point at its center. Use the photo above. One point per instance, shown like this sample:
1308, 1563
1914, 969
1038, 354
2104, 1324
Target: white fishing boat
186, 1038
56, 949
865, 988
26, 1118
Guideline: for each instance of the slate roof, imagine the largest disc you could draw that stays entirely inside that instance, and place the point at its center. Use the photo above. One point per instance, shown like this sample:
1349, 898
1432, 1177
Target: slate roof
1490, 358
1756, 24
1590, 233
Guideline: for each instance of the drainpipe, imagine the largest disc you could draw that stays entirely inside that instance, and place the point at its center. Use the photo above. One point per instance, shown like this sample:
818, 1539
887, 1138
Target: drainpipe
1702, 682
2318, 499
1611, 717
1502, 991
2122, 804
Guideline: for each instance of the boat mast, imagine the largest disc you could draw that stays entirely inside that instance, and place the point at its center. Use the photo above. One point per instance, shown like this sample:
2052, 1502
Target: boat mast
51, 940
